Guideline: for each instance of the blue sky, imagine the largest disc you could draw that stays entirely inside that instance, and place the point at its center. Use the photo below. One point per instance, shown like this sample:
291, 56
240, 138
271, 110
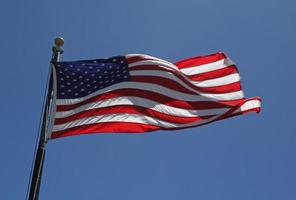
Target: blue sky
250, 157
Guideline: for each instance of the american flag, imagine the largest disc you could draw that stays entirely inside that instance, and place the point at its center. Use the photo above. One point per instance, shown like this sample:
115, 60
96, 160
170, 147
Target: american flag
140, 93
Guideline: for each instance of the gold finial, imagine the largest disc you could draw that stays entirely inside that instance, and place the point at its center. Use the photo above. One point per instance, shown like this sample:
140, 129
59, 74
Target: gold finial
57, 49
59, 41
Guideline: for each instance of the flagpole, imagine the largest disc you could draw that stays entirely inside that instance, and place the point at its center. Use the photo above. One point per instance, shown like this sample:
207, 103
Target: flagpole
40, 154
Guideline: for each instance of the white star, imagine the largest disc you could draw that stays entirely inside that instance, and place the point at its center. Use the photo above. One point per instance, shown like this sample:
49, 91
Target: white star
61, 79
89, 92
67, 76
125, 76
92, 75
82, 89
81, 83
75, 86
62, 86
121, 61
69, 90
62, 93
73, 73
80, 77
76, 94
94, 61
114, 60
94, 81
68, 83
74, 80
86, 72
88, 85
103, 64
66, 69
60, 72
78, 69
87, 79
98, 70
90, 67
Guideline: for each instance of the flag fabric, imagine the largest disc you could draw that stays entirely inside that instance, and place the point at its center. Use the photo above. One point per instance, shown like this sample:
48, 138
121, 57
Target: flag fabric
140, 93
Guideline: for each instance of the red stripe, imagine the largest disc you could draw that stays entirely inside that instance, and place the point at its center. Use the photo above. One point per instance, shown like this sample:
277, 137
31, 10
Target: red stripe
160, 98
150, 67
106, 127
228, 114
166, 82
233, 87
134, 59
256, 109
233, 102
190, 62
130, 110
129, 127
160, 68
214, 74
169, 83
200, 60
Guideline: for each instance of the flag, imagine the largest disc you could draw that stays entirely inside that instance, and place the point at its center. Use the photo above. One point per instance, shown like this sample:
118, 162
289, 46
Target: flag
140, 93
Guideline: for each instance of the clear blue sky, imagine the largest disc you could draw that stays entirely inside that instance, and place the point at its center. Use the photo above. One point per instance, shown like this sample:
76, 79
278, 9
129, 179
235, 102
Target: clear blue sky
249, 157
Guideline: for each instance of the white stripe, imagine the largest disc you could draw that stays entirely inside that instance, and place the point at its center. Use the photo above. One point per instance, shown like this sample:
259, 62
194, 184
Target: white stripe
162, 63
139, 55
141, 86
158, 89
146, 103
132, 118
187, 71
136, 118
163, 74
208, 67
248, 105
232, 78
144, 56
226, 96
209, 83
147, 120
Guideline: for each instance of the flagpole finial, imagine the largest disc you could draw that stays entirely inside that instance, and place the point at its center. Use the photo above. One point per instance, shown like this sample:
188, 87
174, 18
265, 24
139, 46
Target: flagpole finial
57, 49
59, 41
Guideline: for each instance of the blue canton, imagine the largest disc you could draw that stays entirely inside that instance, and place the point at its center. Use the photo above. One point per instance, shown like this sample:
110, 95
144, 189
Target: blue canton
80, 78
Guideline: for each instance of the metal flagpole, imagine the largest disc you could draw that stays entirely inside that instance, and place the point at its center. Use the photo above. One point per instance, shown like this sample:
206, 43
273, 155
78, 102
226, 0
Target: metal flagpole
39, 158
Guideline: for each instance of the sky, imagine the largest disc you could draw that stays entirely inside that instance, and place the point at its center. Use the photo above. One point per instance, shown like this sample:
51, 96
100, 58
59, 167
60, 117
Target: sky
250, 157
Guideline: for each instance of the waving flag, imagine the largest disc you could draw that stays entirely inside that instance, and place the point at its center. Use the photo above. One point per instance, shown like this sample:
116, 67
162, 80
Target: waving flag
140, 93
